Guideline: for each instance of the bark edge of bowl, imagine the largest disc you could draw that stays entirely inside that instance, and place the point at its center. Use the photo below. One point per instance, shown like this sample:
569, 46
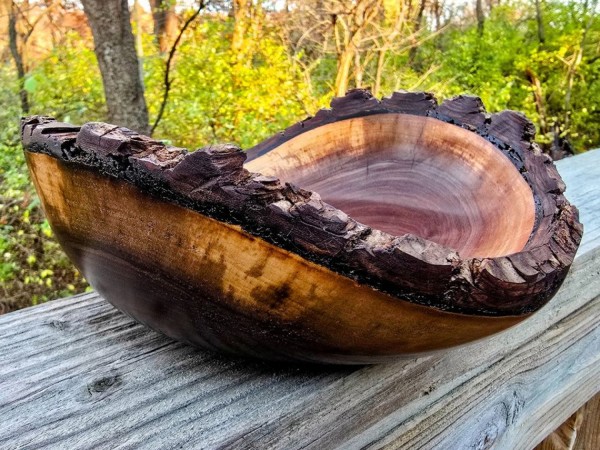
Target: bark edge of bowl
196, 246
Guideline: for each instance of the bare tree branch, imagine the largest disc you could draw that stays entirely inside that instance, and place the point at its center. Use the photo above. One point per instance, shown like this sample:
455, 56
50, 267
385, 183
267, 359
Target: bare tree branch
167, 79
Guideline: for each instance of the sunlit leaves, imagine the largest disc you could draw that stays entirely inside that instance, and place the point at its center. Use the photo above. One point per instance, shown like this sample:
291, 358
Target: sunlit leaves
216, 98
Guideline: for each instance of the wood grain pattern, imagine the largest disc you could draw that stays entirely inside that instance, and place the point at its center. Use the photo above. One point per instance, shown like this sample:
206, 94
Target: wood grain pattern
201, 248
266, 301
565, 436
387, 171
588, 434
76, 373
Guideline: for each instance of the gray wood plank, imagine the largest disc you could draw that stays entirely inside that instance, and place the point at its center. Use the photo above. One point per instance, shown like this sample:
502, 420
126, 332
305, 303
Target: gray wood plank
581, 174
76, 373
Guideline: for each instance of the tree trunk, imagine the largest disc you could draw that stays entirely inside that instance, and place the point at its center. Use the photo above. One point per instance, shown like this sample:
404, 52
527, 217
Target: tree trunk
353, 25
343, 72
241, 17
17, 56
379, 71
437, 12
139, 46
540, 22
418, 21
165, 22
358, 70
480, 17
119, 65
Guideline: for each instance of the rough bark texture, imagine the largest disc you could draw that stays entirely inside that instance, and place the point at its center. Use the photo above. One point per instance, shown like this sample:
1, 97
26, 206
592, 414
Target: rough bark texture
487, 284
213, 181
299, 278
119, 66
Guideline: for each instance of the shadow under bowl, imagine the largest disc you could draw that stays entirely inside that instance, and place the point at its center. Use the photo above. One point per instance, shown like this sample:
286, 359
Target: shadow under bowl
390, 233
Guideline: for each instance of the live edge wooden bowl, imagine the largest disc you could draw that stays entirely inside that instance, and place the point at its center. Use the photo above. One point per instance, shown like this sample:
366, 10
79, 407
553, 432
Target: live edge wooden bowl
375, 229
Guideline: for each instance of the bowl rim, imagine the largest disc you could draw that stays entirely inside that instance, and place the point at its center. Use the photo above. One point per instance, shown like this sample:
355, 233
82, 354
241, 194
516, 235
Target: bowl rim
213, 181
463, 146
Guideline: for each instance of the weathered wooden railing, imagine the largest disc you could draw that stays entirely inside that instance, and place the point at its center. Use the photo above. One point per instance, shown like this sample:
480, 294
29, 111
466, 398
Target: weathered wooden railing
76, 373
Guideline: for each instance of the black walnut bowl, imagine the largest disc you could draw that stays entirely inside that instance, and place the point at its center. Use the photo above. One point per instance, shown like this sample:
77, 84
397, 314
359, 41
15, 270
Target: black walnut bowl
374, 229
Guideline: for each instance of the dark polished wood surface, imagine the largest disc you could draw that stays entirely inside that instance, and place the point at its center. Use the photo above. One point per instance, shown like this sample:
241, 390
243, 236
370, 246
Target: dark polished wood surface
213, 285
199, 247
401, 174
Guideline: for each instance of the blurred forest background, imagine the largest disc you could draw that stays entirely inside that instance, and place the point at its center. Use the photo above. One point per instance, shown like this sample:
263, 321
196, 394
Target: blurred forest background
201, 72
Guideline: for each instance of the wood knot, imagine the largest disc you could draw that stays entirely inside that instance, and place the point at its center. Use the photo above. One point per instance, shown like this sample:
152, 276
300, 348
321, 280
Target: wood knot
60, 325
103, 384
487, 438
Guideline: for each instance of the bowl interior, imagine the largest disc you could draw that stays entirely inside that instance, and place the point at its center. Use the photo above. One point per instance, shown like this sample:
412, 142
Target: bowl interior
409, 174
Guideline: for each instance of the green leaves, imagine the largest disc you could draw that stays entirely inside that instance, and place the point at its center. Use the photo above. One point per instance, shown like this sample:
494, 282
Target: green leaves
510, 69
67, 83
33, 268
216, 98
219, 96
30, 84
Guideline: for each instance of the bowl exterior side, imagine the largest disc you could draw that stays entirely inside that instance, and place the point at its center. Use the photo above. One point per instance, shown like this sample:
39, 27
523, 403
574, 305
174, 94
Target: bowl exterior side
216, 286
515, 283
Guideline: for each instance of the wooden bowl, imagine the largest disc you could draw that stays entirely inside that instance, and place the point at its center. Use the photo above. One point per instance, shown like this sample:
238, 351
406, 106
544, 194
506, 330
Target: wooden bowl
399, 226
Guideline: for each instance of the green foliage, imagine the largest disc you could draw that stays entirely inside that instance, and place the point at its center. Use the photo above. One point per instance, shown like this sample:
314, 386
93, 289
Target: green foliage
212, 99
219, 96
66, 84
215, 98
483, 65
502, 66
33, 268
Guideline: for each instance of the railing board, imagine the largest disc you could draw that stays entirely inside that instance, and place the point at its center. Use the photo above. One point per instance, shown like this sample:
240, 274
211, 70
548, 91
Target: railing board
76, 373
